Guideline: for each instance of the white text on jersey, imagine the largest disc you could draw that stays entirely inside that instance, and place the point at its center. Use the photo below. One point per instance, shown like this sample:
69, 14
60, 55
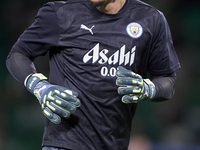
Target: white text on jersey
119, 56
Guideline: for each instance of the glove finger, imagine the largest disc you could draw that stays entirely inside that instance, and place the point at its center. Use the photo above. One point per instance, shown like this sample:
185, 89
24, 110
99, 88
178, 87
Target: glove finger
129, 90
121, 68
130, 99
71, 92
71, 99
65, 104
129, 81
123, 72
66, 90
58, 110
56, 94
51, 116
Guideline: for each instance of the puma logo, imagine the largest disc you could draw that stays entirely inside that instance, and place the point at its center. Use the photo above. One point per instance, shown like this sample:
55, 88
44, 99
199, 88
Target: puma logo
86, 28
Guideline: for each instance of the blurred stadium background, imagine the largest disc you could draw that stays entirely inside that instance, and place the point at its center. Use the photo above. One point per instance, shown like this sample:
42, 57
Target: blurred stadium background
170, 125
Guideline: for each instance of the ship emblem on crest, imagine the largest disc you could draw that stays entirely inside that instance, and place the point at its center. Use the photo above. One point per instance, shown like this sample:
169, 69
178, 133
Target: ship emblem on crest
134, 30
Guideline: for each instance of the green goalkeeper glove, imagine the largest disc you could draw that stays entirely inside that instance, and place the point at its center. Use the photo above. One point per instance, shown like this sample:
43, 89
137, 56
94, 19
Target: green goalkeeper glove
133, 86
55, 100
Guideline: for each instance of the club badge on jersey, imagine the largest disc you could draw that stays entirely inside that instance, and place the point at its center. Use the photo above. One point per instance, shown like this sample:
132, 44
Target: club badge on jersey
134, 30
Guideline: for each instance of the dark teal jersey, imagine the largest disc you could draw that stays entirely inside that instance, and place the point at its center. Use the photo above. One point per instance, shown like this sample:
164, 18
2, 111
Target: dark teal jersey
85, 48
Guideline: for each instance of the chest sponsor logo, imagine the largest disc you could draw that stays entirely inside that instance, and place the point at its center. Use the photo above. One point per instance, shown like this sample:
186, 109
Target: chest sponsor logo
120, 57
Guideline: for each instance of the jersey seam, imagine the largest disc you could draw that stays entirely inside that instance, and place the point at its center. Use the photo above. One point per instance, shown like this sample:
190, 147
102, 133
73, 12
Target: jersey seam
167, 71
55, 10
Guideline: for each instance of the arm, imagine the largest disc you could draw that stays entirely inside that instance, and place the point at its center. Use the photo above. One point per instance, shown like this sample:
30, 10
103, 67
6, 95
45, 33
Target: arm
55, 100
165, 87
35, 41
20, 66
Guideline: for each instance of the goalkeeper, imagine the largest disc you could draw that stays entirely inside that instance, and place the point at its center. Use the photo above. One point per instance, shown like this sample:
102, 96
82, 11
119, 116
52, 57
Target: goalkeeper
99, 55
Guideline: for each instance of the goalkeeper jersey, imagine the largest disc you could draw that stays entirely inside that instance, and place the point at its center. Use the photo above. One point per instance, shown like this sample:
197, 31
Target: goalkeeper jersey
85, 48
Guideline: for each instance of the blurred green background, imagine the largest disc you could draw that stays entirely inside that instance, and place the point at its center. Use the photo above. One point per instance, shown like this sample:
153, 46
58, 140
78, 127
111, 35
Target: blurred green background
170, 125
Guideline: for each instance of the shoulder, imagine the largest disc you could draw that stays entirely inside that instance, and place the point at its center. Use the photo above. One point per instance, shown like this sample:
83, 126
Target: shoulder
151, 17
58, 4
145, 9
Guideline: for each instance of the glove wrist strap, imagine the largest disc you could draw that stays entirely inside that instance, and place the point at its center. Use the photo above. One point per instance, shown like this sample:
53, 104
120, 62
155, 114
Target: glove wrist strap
151, 89
34, 80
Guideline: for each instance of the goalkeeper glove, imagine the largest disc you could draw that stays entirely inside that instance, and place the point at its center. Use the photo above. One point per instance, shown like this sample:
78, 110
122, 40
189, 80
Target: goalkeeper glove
55, 100
133, 86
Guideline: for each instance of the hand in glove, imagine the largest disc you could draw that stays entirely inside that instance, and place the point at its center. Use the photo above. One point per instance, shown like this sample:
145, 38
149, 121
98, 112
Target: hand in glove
55, 100
133, 86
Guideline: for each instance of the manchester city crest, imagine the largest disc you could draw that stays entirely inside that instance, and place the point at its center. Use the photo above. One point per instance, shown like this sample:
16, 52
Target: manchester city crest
134, 30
